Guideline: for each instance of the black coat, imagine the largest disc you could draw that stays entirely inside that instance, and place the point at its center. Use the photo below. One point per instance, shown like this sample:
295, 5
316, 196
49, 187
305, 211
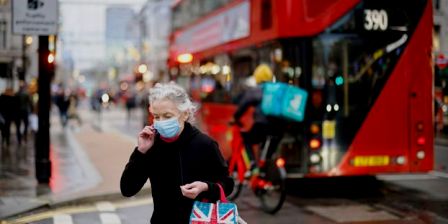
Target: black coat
251, 97
192, 157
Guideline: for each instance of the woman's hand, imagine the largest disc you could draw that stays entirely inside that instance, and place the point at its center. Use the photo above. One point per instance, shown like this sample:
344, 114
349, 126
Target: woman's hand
192, 190
146, 139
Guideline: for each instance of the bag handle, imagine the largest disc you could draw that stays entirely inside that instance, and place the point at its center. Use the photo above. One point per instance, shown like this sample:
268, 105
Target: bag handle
222, 194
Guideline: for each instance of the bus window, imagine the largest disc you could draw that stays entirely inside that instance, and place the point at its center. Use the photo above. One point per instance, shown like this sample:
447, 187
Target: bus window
352, 61
214, 90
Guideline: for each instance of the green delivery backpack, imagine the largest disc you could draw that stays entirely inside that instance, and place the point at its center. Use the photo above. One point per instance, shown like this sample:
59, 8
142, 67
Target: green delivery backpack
283, 100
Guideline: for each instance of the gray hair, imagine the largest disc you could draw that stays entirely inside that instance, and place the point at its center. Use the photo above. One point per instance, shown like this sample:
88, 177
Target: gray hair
176, 94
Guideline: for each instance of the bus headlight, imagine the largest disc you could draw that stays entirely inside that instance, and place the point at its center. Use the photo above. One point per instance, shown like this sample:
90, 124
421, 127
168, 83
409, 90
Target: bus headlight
421, 154
400, 160
315, 158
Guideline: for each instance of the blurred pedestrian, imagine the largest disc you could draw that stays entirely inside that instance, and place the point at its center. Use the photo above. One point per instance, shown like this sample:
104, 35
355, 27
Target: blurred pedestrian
9, 111
25, 107
144, 105
62, 102
72, 111
182, 163
131, 103
33, 119
96, 101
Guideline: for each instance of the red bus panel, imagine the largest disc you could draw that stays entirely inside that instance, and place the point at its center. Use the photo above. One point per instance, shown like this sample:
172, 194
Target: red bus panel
405, 102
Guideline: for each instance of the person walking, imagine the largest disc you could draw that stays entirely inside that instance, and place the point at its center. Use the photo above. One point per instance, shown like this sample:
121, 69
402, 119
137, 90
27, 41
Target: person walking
182, 163
72, 111
131, 102
62, 102
9, 110
144, 105
24, 109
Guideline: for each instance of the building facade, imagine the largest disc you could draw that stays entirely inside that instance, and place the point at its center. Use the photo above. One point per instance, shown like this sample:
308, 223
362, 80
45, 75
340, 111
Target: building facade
155, 17
11, 49
441, 26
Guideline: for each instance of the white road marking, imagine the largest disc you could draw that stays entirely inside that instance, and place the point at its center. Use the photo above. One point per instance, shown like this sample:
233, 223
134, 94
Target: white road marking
78, 209
392, 177
429, 176
109, 218
352, 213
439, 174
62, 219
105, 206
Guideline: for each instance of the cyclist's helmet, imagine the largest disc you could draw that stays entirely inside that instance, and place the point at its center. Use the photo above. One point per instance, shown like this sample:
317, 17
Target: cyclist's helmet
262, 73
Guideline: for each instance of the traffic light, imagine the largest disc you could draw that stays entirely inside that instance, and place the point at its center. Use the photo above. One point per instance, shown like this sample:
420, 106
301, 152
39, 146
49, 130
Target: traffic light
51, 58
50, 61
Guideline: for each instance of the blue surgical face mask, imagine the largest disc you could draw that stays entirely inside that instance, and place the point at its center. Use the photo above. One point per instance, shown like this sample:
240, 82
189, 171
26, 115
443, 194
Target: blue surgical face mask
167, 128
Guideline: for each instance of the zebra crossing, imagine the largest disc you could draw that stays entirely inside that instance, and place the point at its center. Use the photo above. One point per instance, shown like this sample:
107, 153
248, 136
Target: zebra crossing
102, 212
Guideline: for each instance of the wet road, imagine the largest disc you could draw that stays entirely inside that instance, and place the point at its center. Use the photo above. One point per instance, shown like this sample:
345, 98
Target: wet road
385, 199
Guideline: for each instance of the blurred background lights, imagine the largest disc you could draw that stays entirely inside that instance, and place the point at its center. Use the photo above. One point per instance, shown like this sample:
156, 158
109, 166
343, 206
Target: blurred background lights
185, 58
142, 68
339, 80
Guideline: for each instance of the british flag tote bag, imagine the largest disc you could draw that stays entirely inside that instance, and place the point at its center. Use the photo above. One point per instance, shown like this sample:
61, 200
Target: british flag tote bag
221, 212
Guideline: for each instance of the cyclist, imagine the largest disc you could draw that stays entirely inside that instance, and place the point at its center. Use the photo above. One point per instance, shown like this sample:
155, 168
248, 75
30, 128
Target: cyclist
263, 125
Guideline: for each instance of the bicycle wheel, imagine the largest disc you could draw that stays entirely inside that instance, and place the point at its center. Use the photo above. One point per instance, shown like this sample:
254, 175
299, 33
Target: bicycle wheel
271, 189
236, 188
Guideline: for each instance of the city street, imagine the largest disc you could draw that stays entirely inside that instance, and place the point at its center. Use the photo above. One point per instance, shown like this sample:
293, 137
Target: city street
340, 105
405, 199
419, 198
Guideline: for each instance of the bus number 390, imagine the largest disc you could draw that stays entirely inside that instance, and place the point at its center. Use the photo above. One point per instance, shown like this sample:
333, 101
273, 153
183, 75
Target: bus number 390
375, 19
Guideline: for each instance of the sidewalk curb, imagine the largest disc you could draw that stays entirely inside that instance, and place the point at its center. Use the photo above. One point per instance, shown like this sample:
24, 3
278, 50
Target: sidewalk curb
27, 208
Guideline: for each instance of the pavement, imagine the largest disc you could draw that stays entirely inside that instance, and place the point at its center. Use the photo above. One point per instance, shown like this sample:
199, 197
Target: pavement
87, 161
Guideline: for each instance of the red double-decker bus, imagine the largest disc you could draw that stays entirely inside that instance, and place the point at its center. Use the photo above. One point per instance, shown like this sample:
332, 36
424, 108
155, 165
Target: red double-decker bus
366, 65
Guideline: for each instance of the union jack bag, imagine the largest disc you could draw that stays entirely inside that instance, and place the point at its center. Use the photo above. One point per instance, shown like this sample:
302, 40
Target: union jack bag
221, 212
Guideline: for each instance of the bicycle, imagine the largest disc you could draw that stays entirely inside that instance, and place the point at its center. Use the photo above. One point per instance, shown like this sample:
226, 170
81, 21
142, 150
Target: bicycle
269, 185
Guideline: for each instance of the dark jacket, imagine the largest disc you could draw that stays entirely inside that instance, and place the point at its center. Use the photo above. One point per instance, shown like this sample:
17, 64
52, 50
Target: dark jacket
251, 97
263, 125
192, 157
9, 107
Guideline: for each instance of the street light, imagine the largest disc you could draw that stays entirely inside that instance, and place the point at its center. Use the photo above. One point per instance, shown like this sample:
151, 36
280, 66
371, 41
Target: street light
29, 40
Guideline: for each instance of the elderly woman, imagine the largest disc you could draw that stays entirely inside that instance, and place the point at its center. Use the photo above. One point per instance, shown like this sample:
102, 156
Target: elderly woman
182, 163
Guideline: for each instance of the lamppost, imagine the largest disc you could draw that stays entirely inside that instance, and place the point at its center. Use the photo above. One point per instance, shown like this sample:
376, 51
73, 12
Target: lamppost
46, 73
